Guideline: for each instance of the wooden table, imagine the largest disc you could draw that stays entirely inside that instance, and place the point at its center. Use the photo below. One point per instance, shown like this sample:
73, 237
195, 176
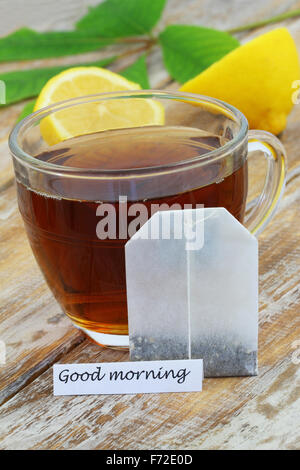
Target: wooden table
241, 413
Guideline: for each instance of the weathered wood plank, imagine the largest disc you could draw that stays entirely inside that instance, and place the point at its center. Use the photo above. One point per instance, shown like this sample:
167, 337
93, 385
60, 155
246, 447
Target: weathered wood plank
37, 334
256, 412
58, 15
35, 310
32, 325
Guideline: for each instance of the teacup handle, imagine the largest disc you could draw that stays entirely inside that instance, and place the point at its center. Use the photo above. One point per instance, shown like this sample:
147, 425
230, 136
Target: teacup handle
260, 211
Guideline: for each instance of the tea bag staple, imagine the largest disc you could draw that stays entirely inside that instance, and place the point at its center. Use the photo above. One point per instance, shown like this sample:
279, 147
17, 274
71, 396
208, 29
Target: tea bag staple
192, 291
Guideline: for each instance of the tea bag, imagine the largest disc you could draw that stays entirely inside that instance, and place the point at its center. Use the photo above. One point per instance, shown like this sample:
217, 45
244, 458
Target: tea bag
192, 291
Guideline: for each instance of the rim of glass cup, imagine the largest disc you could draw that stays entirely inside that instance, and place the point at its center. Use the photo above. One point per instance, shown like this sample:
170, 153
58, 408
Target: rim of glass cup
208, 157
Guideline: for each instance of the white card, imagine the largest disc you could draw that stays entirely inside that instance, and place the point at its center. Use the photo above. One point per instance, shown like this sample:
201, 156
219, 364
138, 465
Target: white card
109, 378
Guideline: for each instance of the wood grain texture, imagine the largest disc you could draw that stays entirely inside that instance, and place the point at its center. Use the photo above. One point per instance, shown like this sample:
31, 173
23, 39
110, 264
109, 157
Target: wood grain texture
45, 15
19, 268
32, 324
260, 412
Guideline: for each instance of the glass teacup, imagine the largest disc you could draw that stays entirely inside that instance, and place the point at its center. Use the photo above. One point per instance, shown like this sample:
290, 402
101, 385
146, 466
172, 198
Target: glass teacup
79, 198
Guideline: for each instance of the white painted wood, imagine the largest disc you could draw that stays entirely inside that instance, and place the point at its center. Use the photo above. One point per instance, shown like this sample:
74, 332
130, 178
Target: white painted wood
62, 14
258, 412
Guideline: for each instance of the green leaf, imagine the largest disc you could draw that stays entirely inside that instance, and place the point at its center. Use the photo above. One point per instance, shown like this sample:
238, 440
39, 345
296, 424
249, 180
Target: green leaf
121, 18
137, 72
26, 44
28, 109
23, 84
188, 50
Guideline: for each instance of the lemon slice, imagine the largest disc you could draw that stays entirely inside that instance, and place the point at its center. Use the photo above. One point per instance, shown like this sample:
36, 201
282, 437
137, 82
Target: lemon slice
259, 78
93, 117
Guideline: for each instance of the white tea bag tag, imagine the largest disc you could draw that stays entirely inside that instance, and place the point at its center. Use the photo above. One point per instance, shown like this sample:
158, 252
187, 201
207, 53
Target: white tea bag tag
128, 377
192, 291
